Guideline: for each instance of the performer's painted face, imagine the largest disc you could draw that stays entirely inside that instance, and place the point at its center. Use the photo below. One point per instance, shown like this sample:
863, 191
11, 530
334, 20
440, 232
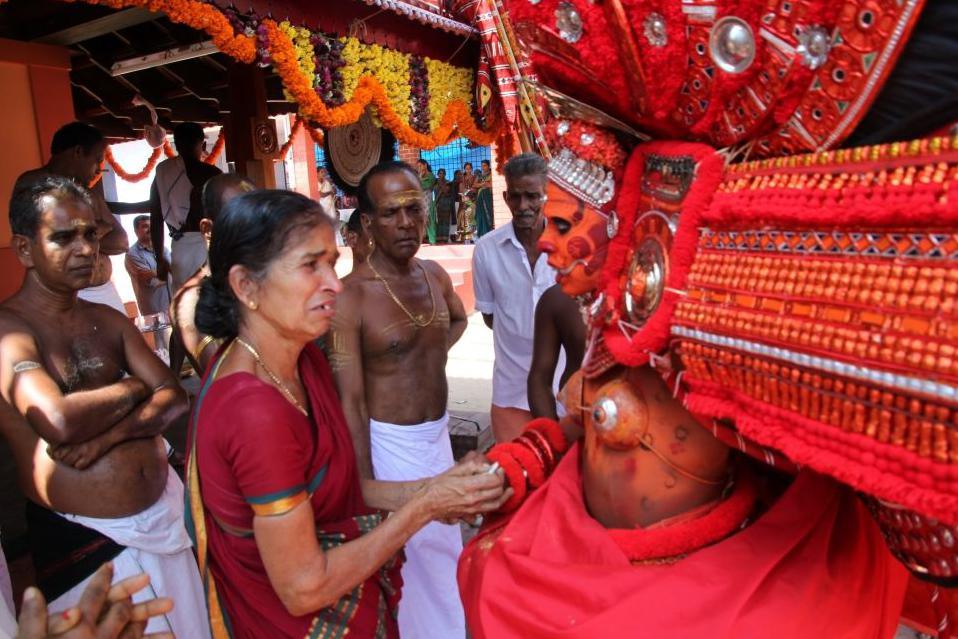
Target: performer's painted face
576, 241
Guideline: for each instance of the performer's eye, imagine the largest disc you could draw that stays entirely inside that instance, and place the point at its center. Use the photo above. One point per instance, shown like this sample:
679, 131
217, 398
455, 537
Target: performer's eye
562, 226
605, 414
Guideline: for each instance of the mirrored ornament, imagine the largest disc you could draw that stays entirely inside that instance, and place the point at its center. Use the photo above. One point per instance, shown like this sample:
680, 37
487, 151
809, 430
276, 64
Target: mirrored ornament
563, 127
813, 46
655, 32
732, 45
612, 226
568, 22
586, 139
534, 2
605, 414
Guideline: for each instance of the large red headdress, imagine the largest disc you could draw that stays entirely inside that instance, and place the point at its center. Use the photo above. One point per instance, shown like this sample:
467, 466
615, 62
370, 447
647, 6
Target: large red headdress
802, 304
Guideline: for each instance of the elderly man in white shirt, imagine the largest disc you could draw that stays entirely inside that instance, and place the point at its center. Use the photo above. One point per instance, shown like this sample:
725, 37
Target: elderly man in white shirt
509, 276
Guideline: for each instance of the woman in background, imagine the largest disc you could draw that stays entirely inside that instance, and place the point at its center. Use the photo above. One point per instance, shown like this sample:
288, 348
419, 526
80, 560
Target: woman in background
427, 180
484, 200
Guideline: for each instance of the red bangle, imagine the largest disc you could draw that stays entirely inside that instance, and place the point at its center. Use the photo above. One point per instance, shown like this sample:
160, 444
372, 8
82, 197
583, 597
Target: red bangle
530, 462
551, 430
513, 471
540, 444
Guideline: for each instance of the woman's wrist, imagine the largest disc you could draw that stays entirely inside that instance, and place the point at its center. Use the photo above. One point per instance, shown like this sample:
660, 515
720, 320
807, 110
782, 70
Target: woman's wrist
421, 506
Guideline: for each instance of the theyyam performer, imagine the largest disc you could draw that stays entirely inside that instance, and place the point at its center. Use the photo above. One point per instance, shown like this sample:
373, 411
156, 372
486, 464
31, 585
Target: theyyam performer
756, 205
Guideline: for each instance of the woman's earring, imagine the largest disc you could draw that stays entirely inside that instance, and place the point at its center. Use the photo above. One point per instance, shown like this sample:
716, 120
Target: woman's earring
253, 305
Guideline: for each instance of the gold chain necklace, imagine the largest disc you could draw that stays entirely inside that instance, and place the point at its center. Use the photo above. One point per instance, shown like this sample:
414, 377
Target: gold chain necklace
415, 319
276, 380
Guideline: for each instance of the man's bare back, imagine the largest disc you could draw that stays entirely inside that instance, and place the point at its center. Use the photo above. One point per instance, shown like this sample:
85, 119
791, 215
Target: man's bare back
84, 354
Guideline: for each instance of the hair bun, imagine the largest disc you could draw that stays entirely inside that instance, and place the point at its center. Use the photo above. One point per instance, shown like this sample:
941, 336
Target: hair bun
216, 311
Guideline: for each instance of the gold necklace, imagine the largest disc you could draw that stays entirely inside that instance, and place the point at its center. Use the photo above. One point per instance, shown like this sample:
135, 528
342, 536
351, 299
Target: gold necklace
276, 380
415, 319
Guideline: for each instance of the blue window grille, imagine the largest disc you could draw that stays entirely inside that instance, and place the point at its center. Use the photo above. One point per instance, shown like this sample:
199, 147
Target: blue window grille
453, 155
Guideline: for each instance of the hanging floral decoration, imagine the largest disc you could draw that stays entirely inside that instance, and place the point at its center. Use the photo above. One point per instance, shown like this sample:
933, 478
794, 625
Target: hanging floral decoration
335, 83
328, 62
419, 88
305, 55
153, 160
202, 16
369, 91
300, 123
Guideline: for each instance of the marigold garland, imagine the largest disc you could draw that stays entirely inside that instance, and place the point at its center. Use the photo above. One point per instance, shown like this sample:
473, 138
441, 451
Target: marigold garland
139, 175
154, 159
373, 76
199, 15
368, 91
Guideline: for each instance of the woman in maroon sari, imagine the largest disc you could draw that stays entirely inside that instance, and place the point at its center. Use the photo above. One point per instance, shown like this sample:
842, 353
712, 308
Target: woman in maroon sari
286, 542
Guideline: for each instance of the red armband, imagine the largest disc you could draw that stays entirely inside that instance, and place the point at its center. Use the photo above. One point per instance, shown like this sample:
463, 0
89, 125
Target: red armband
501, 454
551, 430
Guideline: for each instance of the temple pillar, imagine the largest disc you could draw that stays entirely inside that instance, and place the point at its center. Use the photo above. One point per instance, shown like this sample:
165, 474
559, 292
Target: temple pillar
303, 155
247, 102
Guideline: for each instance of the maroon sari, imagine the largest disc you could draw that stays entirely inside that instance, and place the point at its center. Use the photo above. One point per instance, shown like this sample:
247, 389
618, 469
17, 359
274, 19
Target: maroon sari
252, 453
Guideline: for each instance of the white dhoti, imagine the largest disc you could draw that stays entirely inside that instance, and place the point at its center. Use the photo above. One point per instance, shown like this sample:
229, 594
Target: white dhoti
187, 255
103, 294
8, 621
157, 544
430, 607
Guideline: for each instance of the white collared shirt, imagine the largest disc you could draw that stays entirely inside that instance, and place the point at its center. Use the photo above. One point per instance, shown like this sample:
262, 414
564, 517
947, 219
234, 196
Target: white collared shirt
508, 289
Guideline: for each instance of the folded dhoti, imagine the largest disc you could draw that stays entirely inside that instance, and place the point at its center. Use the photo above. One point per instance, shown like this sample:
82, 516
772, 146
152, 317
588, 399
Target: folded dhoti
155, 542
430, 606
186, 257
8, 623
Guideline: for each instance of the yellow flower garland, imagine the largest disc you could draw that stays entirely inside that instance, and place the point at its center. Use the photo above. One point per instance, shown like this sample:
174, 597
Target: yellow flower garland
305, 54
446, 84
373, 76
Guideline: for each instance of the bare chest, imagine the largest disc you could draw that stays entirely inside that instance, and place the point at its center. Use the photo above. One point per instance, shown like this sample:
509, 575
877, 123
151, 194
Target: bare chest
411, 324
81, 359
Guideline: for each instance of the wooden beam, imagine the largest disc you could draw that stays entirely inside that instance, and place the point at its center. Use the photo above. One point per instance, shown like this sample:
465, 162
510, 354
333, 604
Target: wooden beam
100, 26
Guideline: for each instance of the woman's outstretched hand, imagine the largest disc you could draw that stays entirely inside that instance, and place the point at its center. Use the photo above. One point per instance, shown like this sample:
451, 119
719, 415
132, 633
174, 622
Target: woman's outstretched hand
465, 490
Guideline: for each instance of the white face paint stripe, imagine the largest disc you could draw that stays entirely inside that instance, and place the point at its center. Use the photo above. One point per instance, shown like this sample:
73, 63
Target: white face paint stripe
906, 383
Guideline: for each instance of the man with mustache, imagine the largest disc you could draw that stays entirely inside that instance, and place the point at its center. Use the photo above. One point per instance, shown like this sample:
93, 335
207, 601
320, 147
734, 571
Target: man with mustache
76, 152
83, 404
509, 275
396, 319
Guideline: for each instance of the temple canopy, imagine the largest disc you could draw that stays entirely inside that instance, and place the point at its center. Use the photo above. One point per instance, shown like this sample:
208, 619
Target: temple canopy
180, 55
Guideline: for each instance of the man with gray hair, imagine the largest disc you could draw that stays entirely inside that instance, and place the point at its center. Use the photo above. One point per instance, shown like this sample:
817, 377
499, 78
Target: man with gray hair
509, 276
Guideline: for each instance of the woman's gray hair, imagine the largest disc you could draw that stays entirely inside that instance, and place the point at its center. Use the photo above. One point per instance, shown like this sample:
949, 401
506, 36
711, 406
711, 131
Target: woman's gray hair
525, 164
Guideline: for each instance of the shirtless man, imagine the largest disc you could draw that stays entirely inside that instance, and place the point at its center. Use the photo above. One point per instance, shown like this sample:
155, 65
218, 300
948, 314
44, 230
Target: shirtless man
82, 404
356, 239
558, 328
200, 348
395, 321
76, 152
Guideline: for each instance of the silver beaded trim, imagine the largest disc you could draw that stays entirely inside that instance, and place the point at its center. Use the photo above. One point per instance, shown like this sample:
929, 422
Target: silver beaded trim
425, 16
820, 243
928, 387
589, 182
